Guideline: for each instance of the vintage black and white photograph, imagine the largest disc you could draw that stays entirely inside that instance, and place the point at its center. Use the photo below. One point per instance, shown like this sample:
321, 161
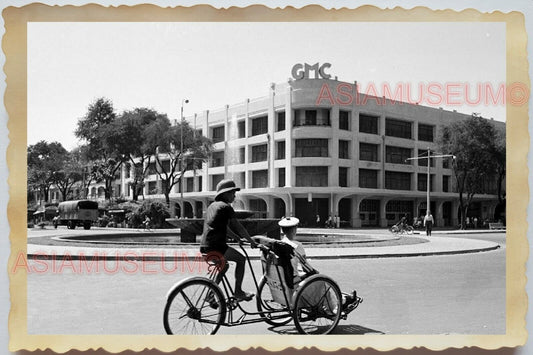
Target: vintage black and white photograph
267, 178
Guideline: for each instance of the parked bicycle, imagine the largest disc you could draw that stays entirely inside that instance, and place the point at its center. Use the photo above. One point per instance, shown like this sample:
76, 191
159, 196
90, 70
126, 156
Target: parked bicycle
197, 305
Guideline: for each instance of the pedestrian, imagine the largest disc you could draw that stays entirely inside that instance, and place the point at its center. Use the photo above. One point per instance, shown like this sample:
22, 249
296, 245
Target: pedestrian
318, 220
220, 217
337, 221
428, 223
147, 222
329, 222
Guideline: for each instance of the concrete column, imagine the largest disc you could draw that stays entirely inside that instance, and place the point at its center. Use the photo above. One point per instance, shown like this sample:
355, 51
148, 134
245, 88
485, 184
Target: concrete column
271, 145
455, 212
356, 218
439, 219
383, 212
289, 169
205, 166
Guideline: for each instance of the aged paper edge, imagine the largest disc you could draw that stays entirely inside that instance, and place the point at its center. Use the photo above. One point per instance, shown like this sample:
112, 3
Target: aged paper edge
14, 47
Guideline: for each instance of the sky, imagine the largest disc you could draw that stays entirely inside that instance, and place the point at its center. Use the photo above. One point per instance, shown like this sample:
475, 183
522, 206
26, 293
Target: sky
157, 65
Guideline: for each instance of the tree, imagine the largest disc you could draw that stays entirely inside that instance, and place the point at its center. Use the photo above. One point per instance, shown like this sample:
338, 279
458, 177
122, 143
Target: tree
94, 129
44, 160
472, 141
125, 137
88, 169
164, 141
70, 173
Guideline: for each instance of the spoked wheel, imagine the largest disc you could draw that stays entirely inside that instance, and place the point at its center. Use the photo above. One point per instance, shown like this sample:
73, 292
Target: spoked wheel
267, 307
409, 230
317, 306
394, 229
194, 307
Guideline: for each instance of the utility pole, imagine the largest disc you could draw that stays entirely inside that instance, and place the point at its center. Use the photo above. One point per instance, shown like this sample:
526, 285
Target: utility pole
429, 157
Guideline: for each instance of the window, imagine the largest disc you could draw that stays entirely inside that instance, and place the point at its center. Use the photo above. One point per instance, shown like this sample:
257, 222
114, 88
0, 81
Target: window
218, 134
217, 159
344, 120
200, 184
424, 162
151, 169
368, 152
215, 179
152, 188
397, 155
259, 125
368, 124
446, 163
189, 182
281, 121
241, 129
368, 178
397, 181
312, 117
425, 132
311, 148
242, 154
127, 170
259, 206
311, 176
280, 146
344, 149
423, 182
343, 176
259, 178
281, 177
445, 183
397, 128
259, 153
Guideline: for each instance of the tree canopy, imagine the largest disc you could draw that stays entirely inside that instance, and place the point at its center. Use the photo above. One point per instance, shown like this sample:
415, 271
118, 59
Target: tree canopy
474, 143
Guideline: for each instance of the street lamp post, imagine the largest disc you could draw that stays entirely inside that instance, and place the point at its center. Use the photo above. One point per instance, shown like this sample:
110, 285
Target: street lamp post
428, 157
182, 209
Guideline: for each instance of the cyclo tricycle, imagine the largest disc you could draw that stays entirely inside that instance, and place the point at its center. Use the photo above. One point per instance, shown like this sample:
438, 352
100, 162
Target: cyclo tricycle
197, 305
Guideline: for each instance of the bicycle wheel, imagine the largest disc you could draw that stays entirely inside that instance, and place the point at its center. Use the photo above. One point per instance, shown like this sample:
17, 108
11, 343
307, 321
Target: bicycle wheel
266, 305
394, 229
317, 306
409, 229
189, 311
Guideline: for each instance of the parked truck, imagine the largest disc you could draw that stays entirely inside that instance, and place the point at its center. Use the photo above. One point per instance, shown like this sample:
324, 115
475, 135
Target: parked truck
77, 213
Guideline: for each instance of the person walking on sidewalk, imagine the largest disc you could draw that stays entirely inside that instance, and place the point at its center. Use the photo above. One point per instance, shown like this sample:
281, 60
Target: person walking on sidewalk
428, 223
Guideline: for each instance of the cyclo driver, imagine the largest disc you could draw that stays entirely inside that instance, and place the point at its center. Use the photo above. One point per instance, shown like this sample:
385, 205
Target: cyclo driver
219, 217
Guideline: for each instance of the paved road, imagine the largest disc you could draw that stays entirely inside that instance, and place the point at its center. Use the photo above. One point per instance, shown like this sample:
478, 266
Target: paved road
462, 294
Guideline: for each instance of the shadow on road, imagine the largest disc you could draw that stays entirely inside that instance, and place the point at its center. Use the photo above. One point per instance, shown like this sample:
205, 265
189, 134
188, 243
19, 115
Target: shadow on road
340, 329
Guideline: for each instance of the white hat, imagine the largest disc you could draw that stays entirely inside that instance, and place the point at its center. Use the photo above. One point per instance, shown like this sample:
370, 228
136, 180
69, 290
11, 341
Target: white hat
288, 222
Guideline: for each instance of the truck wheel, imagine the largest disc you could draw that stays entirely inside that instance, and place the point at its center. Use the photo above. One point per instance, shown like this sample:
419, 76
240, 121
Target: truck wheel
87, 225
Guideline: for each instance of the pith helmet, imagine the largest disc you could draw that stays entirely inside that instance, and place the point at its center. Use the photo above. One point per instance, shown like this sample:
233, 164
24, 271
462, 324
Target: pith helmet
226, 186
288, 222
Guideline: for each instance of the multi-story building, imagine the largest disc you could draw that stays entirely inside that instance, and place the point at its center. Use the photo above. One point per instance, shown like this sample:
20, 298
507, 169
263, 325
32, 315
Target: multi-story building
318, 147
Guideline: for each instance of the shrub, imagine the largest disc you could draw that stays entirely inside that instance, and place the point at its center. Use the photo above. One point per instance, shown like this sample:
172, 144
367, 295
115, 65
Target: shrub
156, 211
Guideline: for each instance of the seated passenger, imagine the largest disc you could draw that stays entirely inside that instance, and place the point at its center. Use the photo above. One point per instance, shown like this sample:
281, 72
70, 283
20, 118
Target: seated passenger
300, 265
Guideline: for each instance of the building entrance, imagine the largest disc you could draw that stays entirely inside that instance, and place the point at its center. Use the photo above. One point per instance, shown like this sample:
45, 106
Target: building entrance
307, 211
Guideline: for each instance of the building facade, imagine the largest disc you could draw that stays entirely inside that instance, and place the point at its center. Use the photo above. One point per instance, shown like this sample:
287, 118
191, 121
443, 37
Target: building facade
317, 147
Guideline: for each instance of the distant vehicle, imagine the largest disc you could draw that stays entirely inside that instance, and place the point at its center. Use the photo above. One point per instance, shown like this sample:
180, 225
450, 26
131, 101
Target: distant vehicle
77, 213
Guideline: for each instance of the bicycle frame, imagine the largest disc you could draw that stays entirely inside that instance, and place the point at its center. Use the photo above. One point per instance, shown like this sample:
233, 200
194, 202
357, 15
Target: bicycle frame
232, 303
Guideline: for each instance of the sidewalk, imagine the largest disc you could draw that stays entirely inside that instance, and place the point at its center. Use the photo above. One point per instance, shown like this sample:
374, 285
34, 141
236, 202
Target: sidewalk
436, 245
